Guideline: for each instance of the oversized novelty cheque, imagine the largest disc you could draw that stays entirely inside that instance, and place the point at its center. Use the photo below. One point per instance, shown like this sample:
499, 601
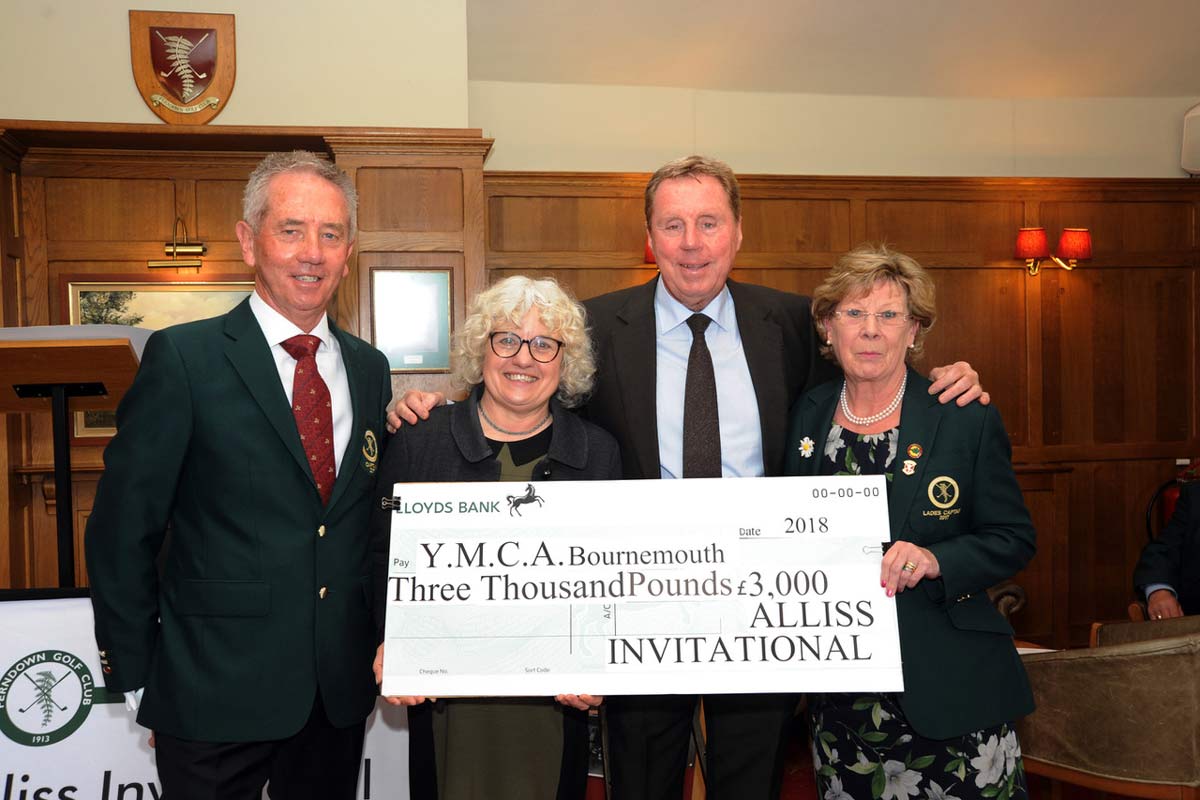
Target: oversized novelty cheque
721, 585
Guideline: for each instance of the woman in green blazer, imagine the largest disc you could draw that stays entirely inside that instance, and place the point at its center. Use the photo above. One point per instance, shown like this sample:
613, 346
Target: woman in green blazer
958, 526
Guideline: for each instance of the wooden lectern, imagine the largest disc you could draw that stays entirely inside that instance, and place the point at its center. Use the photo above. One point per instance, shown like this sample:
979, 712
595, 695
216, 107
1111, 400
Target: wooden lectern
40, 375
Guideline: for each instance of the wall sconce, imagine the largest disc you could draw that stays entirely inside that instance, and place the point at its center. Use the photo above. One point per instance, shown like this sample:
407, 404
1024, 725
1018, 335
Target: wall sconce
1074, 245
176, 248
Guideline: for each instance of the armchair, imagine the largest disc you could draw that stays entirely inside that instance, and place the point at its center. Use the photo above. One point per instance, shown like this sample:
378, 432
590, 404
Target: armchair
1123, 716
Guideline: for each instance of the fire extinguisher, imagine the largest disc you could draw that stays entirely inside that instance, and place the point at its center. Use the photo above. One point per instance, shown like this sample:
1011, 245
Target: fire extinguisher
1168, 494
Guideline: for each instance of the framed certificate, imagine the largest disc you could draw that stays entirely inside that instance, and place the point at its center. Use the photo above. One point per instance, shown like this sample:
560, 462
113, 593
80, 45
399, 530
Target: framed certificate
410, 317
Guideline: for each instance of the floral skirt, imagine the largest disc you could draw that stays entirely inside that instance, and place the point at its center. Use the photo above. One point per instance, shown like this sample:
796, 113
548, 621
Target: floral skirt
863, 747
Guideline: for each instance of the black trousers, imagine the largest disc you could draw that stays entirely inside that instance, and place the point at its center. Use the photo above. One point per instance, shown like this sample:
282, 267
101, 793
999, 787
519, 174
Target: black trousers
320, 762
746, 736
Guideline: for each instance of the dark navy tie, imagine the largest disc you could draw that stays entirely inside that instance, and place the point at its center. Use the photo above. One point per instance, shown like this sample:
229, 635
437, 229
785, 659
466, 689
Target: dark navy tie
701, 428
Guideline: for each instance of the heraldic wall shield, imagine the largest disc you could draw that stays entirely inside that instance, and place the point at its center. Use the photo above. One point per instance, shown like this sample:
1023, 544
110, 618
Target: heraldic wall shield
184, 64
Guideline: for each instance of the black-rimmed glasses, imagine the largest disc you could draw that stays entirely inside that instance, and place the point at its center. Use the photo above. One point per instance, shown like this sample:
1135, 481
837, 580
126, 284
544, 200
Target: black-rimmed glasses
507, 344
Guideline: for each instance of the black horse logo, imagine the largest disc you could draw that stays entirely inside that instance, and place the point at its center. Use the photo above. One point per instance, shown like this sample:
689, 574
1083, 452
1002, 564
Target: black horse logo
517, 500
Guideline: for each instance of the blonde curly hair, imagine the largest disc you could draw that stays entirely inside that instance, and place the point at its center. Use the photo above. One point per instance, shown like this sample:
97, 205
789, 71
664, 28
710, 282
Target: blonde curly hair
505, 305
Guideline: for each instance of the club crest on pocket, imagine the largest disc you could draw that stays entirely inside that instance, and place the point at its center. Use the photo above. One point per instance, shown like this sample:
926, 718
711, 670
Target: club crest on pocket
370, 451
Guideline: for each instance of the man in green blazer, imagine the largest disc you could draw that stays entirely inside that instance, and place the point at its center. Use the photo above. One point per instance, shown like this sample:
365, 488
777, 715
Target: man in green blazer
254, 437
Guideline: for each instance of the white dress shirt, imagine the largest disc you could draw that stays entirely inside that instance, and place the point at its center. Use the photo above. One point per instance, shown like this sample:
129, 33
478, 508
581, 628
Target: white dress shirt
278, 329
737, 403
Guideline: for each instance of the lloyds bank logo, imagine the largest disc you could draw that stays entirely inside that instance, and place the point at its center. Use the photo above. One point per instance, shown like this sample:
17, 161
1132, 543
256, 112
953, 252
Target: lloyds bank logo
45, 697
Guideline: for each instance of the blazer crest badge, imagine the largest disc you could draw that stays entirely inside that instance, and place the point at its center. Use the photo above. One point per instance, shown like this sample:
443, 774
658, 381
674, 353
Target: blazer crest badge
370, 452
183, 64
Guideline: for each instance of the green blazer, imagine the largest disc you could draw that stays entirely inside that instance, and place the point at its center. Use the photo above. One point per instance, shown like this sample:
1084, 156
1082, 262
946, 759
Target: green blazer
961, 671
233, 640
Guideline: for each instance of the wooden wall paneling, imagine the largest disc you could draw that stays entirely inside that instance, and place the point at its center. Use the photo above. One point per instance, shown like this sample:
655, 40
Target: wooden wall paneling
141, 164
185, 211
416, 194
1044, 618
43, 538
947, 232
109, 210
1108, 502
1144, 232
33, 201
971, 300
531, 226
797, 280
788, 226
858, 220
1118, 355
561, 221
583, 283
474, 233
1034, 368
218, 210
411, 199
10, 266
33, 440
1194, 338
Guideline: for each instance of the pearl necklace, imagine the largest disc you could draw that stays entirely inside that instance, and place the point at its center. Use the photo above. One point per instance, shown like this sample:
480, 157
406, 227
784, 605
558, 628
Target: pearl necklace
496, 427
863, 422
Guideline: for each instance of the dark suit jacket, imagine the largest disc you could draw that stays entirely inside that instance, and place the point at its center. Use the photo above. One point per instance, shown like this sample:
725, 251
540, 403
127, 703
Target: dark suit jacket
207, 444
778, 339
1174, 557
961, 671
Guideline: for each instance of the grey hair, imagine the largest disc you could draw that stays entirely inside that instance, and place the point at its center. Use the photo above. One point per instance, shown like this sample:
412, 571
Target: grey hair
506, 303
254, 198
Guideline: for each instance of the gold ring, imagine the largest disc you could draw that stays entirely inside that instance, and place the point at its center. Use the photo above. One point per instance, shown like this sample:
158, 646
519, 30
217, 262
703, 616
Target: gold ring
909, 566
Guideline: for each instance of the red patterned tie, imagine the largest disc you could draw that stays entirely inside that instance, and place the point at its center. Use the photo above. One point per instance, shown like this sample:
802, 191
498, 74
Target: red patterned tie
314, 414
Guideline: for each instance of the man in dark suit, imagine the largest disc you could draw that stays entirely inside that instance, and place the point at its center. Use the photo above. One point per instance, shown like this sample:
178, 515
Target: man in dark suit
763, 355
1168, 572
254, 436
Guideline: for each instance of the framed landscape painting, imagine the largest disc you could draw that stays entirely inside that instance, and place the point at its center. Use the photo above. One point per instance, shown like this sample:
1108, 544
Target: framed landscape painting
142, 301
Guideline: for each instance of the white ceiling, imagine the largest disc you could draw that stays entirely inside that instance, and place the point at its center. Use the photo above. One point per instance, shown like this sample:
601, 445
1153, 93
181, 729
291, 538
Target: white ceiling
937, 48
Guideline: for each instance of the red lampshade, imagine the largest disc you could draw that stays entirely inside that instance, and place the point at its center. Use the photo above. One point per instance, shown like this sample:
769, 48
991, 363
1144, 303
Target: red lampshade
1032, 243
1075, 243
649, 254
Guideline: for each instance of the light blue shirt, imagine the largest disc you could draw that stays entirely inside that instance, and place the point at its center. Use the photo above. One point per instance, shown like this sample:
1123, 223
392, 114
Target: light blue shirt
737, 404
1151, 588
